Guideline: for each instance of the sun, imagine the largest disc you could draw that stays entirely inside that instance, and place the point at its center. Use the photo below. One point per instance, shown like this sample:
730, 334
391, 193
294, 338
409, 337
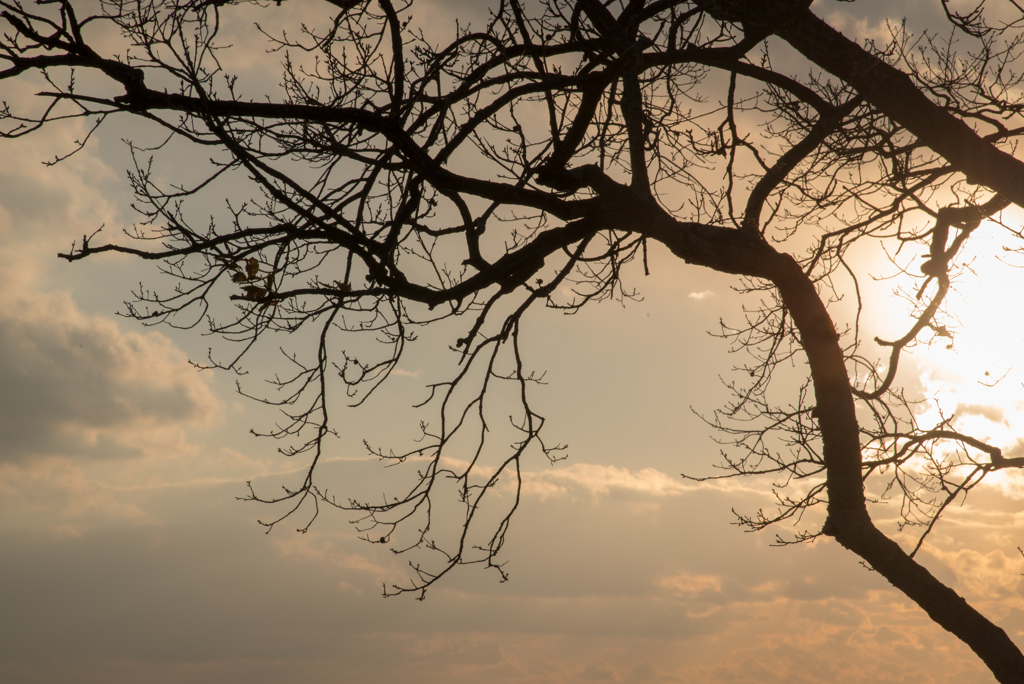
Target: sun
984, 309
978, 375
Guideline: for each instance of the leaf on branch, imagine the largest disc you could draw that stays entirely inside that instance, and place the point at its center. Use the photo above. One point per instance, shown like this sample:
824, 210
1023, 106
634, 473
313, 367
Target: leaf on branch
252, 267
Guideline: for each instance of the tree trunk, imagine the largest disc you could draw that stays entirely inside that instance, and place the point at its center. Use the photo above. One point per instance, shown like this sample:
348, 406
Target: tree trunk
848, 521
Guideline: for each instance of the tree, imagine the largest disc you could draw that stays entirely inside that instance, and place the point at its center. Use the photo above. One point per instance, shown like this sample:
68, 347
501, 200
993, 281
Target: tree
531, 162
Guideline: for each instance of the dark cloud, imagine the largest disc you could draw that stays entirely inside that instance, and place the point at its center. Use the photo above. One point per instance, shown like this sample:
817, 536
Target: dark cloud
201, 595
77, 386
597, 671
642, 672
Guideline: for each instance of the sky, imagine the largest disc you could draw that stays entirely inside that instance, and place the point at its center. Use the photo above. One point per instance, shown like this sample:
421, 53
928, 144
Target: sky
125, 555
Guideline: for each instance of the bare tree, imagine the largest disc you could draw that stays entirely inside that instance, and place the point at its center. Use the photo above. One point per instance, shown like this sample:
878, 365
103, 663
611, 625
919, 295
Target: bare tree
531, 162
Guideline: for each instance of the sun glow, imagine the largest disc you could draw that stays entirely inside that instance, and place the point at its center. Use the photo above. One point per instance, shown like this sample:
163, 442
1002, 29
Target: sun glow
977, 375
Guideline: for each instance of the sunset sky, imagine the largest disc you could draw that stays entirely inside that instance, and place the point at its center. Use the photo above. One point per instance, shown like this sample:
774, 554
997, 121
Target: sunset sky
126, 557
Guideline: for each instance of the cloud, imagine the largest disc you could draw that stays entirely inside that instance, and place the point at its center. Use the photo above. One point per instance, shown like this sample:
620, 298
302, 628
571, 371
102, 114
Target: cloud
993, 413
362, 571
701, 295
75, 385
211, 599
43, 209
642, 672
598, 480
691, 585
991, 576
872, 20
597, 671
58, 500
455, 650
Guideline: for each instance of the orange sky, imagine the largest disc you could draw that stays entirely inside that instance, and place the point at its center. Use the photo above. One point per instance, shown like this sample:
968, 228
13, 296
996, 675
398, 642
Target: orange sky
126, 558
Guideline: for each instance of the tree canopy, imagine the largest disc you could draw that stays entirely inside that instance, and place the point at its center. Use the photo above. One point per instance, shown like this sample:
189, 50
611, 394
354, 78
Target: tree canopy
397, 180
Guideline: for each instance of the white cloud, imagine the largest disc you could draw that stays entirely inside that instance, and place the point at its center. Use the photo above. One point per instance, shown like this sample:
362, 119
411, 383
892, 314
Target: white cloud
597, 480
991, 413
691, 585
991, 576
327, 553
